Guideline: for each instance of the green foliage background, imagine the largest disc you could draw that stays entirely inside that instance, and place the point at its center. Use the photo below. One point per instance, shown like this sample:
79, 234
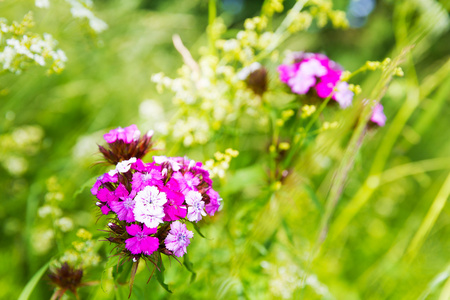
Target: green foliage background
389, 236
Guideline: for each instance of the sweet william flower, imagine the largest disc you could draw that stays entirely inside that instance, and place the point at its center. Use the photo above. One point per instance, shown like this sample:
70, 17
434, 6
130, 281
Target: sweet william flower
123, 166
214, 202
174, 208
150, 175
178, 238
187, 181
101, 180
312, 70
176, 166
125, 206
125, 143
196, 206
141, 242
126, 135
148, 208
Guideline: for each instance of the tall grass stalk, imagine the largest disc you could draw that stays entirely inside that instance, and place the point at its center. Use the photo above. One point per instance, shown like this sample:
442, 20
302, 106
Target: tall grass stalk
429, 220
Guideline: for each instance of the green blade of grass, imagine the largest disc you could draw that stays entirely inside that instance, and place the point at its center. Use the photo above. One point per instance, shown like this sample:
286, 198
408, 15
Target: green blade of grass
26, 292
429, 220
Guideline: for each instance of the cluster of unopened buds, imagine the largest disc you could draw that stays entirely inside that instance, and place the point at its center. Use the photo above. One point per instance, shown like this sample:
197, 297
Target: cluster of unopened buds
149, 204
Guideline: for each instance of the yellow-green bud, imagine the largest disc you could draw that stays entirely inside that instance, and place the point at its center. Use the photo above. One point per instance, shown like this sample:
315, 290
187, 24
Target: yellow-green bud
284, 146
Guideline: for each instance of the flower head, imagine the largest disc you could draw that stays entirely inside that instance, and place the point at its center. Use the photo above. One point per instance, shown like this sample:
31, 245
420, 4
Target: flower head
123, 206
178, 238
125, 143
141, 242
148, 208
304, 71
196, 206
126, 135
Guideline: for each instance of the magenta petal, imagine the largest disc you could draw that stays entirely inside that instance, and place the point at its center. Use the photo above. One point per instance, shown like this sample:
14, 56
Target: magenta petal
287, 72
105, 209
149, 245
132, 133
134, 229
105, 195
134, 245
108, 178
148, 231
124, 213
94, 189
324, 89
121, 191
173, 184
110, 137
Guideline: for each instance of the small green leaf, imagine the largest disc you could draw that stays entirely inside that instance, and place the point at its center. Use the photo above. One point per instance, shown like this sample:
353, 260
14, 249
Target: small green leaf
160, 274
124, 274
89, 183
187, 263
198, 230
33, 281
112, 261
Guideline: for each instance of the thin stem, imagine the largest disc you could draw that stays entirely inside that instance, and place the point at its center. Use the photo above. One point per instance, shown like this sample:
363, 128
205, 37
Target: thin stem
212, 13
429, 220
280, 34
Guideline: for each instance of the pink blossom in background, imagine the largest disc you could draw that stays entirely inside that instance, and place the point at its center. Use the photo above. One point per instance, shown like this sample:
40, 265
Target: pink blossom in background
378, 117
314, 70
343, 95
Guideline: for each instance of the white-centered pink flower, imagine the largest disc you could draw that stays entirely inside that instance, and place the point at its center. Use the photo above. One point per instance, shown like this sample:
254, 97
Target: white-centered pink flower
195, 206
148, 207
178, 238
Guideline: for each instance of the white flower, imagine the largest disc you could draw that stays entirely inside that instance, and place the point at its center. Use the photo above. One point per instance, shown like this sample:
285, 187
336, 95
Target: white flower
151, 199
149, 206
42, 3
196, 206
162, 159
123, 166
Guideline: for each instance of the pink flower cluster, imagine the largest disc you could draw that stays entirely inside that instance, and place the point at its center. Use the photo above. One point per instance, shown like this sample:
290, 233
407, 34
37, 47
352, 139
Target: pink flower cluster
151, 201
314, 70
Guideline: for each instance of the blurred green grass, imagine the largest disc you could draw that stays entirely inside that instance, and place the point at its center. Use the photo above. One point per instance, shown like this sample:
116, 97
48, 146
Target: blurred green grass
381, 243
